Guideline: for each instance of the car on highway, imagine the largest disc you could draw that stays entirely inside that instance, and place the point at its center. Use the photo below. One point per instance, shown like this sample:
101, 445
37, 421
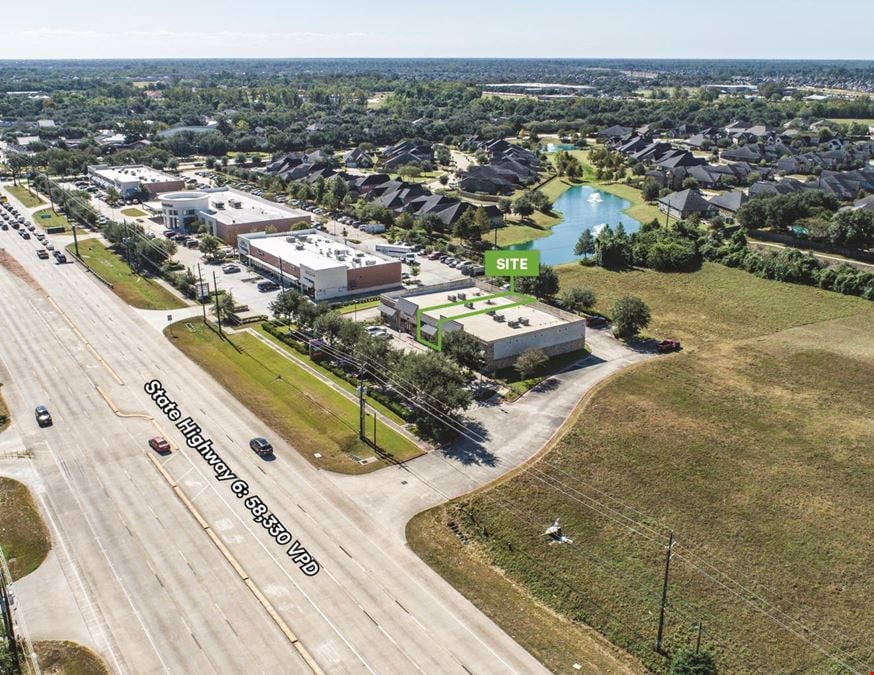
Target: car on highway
230, 269
24, 234
43, 416
49, 245
42, 254
669, 345
60, 258
159, 444
261, 447
4, 226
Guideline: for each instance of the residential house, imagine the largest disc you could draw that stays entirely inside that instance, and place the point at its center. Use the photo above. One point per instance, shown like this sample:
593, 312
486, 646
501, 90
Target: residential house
683, 204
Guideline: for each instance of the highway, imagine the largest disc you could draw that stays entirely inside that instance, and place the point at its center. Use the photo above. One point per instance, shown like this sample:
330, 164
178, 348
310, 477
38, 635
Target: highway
156, 593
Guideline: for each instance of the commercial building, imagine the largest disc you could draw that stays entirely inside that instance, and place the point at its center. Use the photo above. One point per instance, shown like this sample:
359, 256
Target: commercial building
319, 266
506, 324
127, 179
228, 213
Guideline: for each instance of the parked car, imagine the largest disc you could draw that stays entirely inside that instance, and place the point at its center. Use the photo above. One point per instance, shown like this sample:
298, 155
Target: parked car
261, 447
230, 268
43, 416
266, 285
597, 321
669, 345
159, 444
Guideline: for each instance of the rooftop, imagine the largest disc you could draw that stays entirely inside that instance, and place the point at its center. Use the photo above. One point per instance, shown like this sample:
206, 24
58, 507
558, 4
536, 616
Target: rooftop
484, 326
134, 172
315, 251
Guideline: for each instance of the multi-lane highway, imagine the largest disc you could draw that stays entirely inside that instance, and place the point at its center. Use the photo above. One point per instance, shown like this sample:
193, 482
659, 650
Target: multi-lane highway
157, 594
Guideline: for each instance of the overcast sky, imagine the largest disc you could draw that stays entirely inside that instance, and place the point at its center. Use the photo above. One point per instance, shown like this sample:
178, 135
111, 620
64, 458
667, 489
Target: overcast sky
767, 29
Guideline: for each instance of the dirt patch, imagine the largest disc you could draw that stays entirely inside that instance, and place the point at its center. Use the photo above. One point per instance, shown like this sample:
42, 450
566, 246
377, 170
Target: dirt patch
68, 658
11, 264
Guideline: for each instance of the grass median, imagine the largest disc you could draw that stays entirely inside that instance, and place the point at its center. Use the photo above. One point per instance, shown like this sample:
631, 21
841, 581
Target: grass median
137, 291
23, 536
754, 446
48, 218
309, 414
134, 212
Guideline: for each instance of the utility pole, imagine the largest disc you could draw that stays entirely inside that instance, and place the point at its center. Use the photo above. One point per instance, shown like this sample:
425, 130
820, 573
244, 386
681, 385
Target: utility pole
218, 311
75, 240
664, 594
374, 427
698, 643
200, 288
362, 403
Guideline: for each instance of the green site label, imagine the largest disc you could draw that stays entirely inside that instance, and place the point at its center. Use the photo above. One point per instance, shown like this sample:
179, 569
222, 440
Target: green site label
512, 263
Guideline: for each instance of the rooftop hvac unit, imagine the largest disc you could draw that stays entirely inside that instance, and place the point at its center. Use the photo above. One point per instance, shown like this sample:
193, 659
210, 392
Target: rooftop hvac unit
490, 302
490, 312
499, 318
219, 205
513, 324
523, 320
462, 296
370, 262
299, 247
451, 298
469, 305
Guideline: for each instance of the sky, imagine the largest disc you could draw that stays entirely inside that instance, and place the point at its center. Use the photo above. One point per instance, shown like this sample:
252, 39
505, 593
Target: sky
763, 29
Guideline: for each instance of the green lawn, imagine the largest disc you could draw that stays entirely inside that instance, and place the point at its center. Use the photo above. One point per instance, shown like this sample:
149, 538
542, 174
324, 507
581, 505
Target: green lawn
133, 212
137, 291
849, 120
367, 304
23, 536
518, 386
28, 198
48, 218
306, 412
755, 445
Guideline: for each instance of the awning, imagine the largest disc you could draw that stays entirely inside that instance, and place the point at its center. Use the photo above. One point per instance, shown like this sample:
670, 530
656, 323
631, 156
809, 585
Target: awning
385, 309
429, 331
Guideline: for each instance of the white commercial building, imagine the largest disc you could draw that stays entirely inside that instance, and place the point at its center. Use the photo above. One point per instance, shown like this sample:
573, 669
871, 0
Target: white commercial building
228, 213
128, 179
318, 265
506, 324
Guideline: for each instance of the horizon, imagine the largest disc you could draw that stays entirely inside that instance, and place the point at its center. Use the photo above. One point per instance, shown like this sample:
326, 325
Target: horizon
630, 29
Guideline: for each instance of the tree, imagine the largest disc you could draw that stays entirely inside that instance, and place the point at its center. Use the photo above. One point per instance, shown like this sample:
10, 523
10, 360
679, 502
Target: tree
464, 349
286, 304
687, 662
444, 179
544, 285
153, 252
481, 221
329, 326
630, 316
505, 205
210, 245
523, 206
578, 299
650, 190
852, 228
224, 305
529, 362
437, 381
585, 244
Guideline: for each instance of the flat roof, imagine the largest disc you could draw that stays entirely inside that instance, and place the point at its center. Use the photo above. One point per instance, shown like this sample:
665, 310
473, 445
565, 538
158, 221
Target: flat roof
317, 252
134, 172
251, 209
483, 325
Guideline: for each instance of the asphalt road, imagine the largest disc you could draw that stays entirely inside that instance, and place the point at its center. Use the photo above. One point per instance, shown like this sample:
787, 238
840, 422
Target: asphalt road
155, 593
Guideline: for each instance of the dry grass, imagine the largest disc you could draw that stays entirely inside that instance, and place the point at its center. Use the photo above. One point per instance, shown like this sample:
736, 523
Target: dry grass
68, 658
755, 446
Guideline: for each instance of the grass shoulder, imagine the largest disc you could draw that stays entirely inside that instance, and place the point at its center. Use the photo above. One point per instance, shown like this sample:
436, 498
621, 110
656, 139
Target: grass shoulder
47, 218
312, 416
23, 535
138, 291
134, 212
29, 198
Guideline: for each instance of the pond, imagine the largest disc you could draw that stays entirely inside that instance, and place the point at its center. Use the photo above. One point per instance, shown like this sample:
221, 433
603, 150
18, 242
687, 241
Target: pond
582, 207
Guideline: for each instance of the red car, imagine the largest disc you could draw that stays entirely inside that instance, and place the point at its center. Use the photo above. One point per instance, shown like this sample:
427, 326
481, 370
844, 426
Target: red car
159, 444
669, 345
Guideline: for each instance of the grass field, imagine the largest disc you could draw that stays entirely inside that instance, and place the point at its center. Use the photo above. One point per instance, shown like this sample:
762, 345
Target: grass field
67, 658
358, 306
48, 218
29, 199
23, 536
133, 212
755, 446
849, 120
135, 290
307, 413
